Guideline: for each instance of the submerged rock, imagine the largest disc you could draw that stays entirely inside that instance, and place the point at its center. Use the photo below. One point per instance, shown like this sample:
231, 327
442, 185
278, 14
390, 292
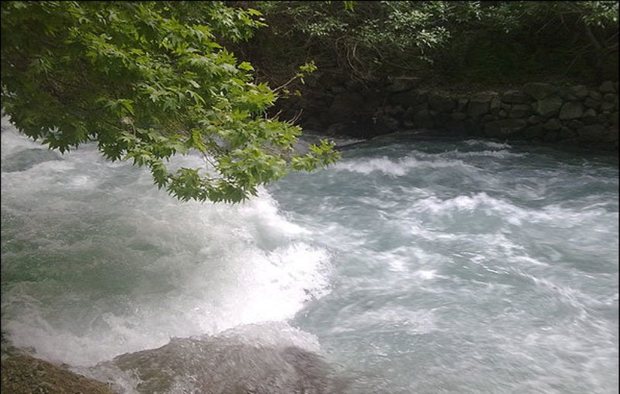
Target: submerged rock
264, 361
24, 374
26, 159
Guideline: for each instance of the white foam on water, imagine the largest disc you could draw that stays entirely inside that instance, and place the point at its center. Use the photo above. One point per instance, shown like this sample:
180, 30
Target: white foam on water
396, 168
489, 144
500, 154
108, 264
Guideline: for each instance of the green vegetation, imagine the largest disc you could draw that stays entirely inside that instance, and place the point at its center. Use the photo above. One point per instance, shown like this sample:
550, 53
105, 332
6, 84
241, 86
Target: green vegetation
444, 41
146, 81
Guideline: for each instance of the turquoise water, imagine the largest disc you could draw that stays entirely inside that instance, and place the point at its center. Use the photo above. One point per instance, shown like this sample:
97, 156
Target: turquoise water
413, 265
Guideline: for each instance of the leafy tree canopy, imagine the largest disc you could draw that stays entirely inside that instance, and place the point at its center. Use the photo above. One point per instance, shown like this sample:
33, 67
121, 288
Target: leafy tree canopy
146, 81
448, 38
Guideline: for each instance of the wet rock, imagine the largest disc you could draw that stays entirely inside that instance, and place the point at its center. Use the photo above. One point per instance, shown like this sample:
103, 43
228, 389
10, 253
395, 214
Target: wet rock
606, 87
340, 128
551, 136
477, 108
571, 110
487, 118
26, 159
458, 116
579, 91
346, 106
504, 127
520, 111
229, 364
424, 119
574, 124
461, 104
441, 103
613, 119
595, 95
515, 97
594, 132
539, 90
548, 106
535, 131
592, 103
534, 119
589, 116
552, 124
406, 98
566, 93
22, 373
495, 103
386, 124
607, 107
402, 84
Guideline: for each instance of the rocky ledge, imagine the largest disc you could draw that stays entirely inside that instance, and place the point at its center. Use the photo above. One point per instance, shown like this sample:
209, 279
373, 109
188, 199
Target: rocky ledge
24, 374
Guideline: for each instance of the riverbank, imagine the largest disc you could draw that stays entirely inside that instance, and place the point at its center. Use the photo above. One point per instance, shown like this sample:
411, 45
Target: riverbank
537, 112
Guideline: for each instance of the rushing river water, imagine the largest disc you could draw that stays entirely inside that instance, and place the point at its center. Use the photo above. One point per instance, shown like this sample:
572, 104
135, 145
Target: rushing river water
411, 266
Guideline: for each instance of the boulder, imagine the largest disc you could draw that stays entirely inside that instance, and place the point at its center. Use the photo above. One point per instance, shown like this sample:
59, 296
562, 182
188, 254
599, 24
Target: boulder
495, 103
613, 119
607, 87
458, 116
595, 95
487, 118
566, 93
386, 124
408, 98
594, 132
607, 107
589, 116
338, 129
571, 110
424, 119
520, 111
393, 109
548, 106
591, 103
539, 90
442, 119
477, 108
534, 119
515, 97
551, 136
441, 103
574, 124
504, 127
402, 84
535, 131
579, 91
461, 104
552, 124
346, 106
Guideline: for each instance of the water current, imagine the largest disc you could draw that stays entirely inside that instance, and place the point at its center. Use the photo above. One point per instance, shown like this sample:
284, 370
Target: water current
413, 265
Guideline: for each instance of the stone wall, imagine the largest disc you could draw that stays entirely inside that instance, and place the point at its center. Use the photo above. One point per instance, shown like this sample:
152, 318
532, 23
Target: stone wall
536, 111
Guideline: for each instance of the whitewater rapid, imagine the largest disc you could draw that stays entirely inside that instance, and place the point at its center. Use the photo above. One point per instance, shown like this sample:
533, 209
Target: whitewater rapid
413, 265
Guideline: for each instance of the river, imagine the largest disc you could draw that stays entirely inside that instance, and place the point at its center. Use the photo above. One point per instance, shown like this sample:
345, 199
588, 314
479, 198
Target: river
413, 265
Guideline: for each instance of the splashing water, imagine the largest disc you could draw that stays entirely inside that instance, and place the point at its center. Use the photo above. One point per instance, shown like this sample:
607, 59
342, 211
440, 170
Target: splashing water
416, 265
